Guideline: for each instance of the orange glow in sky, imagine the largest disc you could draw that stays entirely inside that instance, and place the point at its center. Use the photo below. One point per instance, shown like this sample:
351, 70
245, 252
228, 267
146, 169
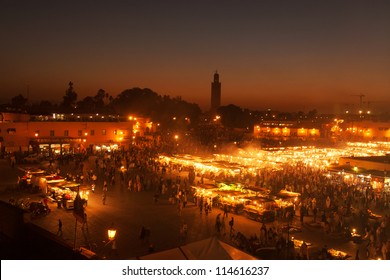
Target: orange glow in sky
301, 55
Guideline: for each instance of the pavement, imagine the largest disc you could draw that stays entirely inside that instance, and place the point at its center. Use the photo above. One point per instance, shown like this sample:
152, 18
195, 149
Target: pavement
128, 211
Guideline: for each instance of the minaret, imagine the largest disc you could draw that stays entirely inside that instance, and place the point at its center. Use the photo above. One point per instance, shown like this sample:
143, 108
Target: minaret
215, 93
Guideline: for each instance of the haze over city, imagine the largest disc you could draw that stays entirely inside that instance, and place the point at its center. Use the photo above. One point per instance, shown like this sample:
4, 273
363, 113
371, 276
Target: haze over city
284, 55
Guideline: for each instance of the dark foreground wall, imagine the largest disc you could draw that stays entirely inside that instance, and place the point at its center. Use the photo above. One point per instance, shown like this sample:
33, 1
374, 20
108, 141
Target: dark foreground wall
26, 241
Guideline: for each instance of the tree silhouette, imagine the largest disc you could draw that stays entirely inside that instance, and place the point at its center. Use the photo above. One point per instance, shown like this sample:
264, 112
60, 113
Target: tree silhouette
232, 116
87, 105
145, 102
45, 107
93, 104
19, 102
99, 100
69, 99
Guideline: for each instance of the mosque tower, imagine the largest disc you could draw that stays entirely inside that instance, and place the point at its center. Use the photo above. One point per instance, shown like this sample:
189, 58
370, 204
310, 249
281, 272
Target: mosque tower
215, 93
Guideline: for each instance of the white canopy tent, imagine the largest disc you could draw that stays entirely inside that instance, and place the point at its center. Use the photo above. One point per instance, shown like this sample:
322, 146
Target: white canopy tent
207, 249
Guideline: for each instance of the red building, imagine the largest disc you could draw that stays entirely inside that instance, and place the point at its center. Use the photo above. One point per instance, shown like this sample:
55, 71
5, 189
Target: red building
61, 133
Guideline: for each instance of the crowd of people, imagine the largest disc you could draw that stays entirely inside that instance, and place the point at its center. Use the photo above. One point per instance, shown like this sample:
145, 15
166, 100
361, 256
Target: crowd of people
331, 202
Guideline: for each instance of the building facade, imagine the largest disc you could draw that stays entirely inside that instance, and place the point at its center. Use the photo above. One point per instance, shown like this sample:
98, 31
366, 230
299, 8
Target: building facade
366, 130
286, 130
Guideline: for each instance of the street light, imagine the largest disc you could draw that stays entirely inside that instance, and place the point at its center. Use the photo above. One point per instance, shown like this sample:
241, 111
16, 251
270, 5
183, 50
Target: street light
111, 232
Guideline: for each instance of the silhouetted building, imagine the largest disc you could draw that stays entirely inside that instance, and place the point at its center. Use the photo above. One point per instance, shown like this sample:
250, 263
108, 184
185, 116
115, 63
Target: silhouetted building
215, 93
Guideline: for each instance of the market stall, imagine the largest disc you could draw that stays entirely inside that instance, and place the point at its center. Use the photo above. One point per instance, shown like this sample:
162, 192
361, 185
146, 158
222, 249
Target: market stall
233, 201
338, 255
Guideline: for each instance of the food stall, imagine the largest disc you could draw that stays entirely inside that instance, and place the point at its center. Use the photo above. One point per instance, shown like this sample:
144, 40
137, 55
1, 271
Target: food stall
233, 197
29, 172
254, 203
258, 191
223, 195
43, 182
260, 209
286, 202
205, 191
298, 243
64, 193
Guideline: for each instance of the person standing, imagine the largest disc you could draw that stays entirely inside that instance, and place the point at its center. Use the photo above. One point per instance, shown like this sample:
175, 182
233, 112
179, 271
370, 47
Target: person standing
263, 234
384, 250
302, 213
315, 211
223, 228
13, 161
357, 255
206, 208
304, 250
94, 179
114, 248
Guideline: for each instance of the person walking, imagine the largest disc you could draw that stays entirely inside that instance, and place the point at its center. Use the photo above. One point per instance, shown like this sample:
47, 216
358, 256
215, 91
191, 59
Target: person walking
179, 208
104, 198
218, 224
183, 232
225, 210
231, 224
59, 232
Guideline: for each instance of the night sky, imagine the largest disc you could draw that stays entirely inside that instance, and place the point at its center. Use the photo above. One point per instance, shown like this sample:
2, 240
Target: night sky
285, 55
